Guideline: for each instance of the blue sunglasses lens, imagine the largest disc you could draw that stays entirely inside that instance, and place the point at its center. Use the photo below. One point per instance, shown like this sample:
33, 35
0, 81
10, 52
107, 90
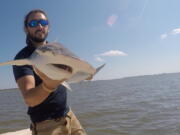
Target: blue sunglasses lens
43, 22
35, 23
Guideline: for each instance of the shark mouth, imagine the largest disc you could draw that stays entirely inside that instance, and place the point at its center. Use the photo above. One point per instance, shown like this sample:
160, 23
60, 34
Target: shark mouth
63, 67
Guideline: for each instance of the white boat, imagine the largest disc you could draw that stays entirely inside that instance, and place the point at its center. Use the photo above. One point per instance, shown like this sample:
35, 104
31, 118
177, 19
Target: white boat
19, 132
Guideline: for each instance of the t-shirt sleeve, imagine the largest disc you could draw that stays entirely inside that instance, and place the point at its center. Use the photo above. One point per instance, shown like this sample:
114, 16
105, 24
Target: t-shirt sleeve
20, 71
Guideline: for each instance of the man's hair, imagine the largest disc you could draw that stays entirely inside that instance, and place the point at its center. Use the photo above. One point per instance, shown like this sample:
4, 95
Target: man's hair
33, 12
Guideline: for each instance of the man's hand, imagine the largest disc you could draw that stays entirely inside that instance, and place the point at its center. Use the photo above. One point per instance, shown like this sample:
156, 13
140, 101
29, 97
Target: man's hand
90, 77
48, 82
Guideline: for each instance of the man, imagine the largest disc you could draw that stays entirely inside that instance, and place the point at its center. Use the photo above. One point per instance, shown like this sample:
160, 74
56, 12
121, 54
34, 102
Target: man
46, 98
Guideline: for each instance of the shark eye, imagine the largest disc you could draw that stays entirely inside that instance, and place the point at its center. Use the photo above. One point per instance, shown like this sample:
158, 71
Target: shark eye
64, 67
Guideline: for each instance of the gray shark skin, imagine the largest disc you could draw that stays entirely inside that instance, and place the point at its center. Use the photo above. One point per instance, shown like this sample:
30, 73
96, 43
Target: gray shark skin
57, 62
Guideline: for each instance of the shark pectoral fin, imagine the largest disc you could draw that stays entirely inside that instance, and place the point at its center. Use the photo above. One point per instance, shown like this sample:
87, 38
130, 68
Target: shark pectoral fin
99, 68
19, 62
65, 84
90, 76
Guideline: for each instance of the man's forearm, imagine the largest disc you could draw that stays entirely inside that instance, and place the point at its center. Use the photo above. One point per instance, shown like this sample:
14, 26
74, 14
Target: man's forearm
36, 95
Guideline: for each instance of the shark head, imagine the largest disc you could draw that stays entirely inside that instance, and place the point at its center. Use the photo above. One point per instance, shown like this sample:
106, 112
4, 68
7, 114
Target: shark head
54, 49
57, 62
51, 60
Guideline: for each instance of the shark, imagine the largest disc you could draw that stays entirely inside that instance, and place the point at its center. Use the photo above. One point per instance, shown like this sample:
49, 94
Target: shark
58, 62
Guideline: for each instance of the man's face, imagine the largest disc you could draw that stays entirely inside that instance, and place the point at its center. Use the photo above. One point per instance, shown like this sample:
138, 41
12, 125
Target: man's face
40, 32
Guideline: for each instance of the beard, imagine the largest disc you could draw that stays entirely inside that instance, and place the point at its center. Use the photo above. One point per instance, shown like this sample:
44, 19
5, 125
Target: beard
38, 39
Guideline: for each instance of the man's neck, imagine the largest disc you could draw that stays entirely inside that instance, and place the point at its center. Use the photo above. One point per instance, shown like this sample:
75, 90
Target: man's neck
37, 44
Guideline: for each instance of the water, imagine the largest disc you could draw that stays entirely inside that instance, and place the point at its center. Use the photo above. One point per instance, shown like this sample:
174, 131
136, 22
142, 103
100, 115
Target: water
144, 105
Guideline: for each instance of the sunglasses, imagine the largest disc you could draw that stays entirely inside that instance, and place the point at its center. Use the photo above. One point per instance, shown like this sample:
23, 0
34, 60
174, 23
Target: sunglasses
35, 23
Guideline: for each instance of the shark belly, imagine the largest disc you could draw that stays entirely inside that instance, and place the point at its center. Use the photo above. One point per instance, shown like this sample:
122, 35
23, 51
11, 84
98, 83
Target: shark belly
53, 72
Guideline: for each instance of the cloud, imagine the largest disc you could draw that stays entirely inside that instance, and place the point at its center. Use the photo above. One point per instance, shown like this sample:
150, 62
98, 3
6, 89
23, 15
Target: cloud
99, 59
112, 20
163, 36
172, 32
110, 53
175, 31
113, 53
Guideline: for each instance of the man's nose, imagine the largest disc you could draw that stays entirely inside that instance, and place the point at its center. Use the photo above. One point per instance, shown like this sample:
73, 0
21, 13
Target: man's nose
39, 25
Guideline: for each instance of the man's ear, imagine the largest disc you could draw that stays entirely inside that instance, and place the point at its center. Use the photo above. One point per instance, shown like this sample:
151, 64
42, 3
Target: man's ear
49, 29
25, 30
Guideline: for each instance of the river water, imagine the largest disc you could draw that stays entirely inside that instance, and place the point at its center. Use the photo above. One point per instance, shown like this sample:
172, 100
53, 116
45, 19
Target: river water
142, 105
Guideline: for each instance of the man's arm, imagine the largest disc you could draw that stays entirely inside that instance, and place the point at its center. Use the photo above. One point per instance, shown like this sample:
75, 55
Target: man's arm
32, 95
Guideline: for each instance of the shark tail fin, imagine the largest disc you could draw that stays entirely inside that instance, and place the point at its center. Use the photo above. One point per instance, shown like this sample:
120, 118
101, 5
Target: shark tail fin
99, 68
19, 62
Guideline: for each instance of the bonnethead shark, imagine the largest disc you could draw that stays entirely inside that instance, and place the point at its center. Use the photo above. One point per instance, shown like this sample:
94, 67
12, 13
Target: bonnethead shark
58, 62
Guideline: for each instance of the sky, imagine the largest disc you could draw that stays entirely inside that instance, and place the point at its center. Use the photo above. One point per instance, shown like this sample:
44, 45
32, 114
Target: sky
133, 37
